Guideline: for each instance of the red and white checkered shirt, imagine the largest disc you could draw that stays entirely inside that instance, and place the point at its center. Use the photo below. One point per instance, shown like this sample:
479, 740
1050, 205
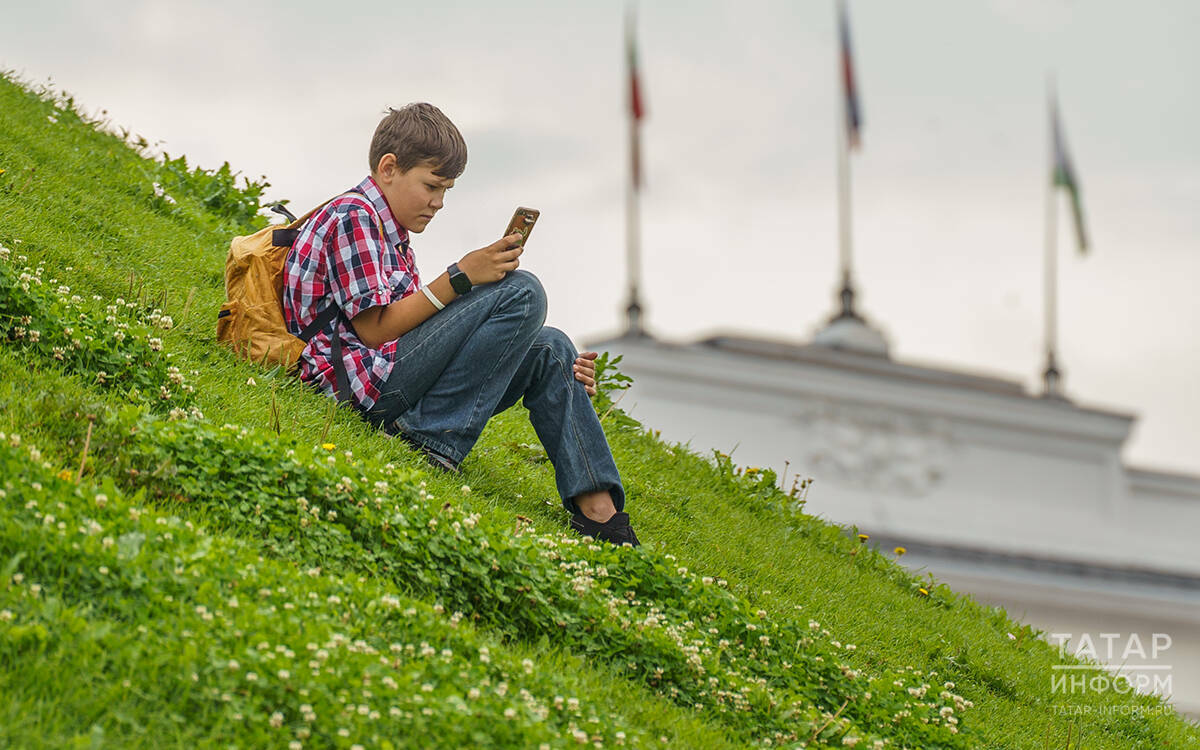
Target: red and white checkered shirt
340, 259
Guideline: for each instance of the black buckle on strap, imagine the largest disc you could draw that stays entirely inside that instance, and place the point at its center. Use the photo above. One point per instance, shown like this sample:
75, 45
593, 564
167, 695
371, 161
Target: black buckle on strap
284, 237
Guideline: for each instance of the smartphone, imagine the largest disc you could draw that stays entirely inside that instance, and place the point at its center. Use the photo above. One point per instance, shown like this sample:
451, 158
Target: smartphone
522, 223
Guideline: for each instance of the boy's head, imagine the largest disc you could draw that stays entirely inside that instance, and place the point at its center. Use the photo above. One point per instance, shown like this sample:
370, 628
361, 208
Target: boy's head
416, 154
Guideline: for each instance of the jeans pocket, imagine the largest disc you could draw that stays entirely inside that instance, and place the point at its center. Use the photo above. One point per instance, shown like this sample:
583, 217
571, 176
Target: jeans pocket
387, 407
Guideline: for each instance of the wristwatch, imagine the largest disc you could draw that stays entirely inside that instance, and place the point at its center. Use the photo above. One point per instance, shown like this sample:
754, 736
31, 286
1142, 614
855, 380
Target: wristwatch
458, 279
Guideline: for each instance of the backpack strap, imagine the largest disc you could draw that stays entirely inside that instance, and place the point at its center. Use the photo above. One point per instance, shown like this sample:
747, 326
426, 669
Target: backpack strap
341, 379
286, 236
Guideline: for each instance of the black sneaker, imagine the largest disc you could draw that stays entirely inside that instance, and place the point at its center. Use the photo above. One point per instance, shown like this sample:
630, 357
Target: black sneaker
615, 530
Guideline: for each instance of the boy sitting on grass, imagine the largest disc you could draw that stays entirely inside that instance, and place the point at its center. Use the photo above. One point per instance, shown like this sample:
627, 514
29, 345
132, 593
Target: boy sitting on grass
433, 363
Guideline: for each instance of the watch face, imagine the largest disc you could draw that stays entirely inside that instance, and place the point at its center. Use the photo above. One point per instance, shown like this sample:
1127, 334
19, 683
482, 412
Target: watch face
459, 280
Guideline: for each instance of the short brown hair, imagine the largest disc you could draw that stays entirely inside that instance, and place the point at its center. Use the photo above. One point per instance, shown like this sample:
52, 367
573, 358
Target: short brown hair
419, 133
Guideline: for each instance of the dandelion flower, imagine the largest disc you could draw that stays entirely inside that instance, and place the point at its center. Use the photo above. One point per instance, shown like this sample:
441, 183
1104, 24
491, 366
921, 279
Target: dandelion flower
328, 446
863, 537
924, 591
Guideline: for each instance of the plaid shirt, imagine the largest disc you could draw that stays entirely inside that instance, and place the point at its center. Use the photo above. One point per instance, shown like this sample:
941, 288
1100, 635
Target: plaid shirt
340, 259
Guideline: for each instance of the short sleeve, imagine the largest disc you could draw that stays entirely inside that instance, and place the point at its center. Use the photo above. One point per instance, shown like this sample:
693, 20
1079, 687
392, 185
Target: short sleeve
357, 277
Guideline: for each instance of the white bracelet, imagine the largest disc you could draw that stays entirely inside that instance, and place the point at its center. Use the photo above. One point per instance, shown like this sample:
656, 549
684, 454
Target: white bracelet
433, 298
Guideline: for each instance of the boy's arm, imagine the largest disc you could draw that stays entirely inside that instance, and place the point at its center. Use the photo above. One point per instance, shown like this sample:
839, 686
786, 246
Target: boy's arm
378, 325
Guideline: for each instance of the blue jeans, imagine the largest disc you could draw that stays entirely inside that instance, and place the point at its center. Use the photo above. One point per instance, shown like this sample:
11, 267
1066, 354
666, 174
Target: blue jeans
487, 350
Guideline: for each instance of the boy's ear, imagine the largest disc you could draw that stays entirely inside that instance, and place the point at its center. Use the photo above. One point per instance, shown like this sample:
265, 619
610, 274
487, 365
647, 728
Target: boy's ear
386, 165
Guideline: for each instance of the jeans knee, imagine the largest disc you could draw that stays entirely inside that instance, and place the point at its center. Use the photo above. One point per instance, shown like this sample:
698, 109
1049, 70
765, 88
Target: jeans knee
526, 284
558, 342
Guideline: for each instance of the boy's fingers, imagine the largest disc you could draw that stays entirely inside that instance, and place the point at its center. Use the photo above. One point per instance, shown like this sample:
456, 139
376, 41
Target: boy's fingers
588, 355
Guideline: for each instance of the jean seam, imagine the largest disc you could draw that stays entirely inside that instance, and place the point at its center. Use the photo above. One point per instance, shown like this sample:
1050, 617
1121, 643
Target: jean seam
495, 362
433, 443
447, 321
443, 448
587, 464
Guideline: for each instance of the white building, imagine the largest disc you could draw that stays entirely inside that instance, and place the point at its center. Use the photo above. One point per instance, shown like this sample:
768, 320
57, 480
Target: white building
1020, 500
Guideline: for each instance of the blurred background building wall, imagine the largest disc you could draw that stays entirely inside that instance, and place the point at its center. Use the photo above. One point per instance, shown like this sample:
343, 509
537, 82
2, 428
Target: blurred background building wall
1021, 501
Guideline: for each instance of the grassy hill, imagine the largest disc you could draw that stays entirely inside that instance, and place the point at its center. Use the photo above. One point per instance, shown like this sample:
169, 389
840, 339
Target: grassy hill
198, 552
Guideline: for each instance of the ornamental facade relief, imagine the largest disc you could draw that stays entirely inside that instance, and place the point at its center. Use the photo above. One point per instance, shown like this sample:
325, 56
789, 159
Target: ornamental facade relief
875, 448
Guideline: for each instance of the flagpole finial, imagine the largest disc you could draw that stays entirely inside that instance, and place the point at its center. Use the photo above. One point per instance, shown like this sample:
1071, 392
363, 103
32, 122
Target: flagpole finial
634, 328
1052, 379
847, 297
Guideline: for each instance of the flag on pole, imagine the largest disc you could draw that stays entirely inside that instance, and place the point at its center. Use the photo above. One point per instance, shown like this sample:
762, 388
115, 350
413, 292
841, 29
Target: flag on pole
1063, 175
637, 109
853, 112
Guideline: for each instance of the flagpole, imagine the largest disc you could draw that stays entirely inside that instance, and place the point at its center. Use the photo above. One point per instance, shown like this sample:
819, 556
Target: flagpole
1052, 378
844, 237
842, 126
633, 243
633, 249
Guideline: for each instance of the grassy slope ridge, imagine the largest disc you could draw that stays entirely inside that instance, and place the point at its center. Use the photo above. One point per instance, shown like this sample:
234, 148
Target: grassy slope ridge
75, 198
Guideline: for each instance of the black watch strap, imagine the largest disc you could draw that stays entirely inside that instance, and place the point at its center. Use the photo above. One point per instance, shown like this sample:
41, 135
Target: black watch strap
459, 280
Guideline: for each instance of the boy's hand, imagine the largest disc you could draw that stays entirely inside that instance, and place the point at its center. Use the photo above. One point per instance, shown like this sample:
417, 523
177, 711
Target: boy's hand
585, 371
491, 263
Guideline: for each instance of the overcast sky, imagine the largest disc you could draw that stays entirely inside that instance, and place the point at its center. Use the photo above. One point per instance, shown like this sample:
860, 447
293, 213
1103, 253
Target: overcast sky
739, 210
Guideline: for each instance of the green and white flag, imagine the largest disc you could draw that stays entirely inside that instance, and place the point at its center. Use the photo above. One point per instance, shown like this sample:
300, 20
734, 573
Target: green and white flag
1063, 175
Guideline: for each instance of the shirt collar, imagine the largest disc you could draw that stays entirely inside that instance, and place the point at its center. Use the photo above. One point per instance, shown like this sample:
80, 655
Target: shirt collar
397, 236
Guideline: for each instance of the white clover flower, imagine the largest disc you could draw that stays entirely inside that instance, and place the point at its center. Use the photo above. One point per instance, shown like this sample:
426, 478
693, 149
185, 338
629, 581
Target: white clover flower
276, 719
6, 615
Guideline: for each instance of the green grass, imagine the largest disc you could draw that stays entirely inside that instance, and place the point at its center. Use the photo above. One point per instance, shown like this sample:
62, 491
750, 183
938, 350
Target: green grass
104, 660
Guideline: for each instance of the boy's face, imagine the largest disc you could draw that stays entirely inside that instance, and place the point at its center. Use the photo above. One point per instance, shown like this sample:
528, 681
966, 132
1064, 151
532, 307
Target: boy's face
414, 196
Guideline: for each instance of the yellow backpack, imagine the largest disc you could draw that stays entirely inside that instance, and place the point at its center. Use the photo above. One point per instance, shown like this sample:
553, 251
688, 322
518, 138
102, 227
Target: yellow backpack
251, 322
